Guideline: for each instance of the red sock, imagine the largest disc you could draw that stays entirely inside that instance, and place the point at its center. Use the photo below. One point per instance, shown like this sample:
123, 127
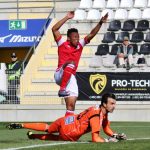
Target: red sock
69, 112
68, 71
36, 126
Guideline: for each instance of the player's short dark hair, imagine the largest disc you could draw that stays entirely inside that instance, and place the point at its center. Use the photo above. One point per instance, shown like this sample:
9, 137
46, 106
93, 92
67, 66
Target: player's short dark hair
71, 30
106, 96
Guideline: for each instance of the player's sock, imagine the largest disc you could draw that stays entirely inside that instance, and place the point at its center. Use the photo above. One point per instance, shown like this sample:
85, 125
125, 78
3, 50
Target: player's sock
68, 71
36, 126
44, 137
69, 112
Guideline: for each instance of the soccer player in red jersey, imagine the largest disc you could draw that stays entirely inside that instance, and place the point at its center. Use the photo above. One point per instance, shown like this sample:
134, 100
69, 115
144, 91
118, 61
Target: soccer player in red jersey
72, 127
69, 53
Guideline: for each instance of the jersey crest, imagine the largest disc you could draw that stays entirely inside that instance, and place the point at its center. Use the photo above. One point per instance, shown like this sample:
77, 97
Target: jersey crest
69, 120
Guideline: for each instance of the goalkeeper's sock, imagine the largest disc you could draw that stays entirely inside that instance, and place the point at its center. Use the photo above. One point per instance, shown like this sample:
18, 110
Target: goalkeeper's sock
44, 137
36, 126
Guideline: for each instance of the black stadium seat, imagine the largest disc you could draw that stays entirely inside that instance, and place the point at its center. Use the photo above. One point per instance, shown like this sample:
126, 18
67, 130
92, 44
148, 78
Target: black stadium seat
142, 25
114, 49
147, 38
121, 36
114, 25
137, 37
145, 49
135, 48
102, 49
128, 25
109, 37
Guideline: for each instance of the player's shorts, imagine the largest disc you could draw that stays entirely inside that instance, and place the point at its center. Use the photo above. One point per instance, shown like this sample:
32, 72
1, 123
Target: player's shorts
68, 128
72, 86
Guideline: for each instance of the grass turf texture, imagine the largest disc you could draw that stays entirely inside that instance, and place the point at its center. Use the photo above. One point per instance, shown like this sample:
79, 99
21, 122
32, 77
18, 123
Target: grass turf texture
17, 138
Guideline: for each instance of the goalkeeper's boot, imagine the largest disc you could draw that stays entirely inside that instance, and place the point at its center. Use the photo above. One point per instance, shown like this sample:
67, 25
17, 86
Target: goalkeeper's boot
14, 126
30, 135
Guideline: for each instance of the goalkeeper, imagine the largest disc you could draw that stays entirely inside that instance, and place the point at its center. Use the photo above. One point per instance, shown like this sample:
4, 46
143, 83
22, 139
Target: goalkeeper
71, 128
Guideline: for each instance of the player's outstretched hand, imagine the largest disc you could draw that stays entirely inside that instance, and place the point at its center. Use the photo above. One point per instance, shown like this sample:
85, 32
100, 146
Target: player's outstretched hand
70, 14
104, 18
120, 136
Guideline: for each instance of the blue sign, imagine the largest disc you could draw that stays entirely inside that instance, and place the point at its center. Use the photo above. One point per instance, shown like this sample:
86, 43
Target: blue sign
21, 38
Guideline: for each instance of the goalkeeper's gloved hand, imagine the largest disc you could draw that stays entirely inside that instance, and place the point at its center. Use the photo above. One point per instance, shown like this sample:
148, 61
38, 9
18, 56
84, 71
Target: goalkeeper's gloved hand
111, 139
120, 136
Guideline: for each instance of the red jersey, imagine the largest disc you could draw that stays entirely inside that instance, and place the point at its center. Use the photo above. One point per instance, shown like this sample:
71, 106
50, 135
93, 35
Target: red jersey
66, 52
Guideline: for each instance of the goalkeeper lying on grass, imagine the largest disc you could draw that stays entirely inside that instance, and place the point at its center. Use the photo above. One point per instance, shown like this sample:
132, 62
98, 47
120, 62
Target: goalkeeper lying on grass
72, 127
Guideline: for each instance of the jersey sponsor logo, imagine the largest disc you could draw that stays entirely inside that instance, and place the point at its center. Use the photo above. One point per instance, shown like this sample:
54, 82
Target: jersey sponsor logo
98, 82
69, 120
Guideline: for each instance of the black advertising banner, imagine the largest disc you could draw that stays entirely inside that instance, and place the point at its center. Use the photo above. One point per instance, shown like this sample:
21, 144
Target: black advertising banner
130, 86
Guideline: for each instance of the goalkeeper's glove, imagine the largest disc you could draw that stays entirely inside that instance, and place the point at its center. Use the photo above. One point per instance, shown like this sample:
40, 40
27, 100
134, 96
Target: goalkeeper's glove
111, 139
119, 136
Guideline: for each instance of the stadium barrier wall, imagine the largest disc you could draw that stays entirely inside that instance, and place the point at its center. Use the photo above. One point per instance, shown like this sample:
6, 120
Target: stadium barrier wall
138, 111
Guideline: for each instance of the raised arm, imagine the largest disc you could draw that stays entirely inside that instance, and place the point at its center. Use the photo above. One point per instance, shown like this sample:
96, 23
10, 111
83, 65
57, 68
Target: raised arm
56, 27
97, 27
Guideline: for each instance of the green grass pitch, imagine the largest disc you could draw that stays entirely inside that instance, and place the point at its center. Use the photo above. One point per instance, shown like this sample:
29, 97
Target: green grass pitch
138, 134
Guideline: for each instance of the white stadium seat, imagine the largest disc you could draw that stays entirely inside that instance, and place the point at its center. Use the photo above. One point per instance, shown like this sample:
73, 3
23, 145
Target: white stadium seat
80, 14
110, 13
112, 4
146, 13
99, 4
126, 4
93, 14
135, 14
121, 14
85, 4
148, 5
140, 3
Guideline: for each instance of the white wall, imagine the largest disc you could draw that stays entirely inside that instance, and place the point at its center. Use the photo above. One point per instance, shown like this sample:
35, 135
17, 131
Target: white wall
3, 81
47, 113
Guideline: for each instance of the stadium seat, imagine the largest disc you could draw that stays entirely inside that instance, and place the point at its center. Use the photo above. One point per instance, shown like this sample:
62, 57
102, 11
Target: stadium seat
102, 49
114, 49
142, 25
85, 4
146, 14
109, 37
108, 61
148, 4
121, 36
137, 37
99, 4
112, 4
110, 13
95, 62
114, 25
93, 14
135, 14
140, 3
135, 48
126, 4
80, 14
145, 49
128, 25
147, 38
121, 14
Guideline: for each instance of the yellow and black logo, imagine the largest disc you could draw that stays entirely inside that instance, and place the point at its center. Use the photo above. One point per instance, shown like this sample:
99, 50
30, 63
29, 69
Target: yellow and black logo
98, 82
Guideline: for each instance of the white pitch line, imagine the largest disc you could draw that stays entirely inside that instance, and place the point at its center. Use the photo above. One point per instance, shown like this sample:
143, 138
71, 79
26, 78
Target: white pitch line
133, 139
65, 143
132, 126
43, 145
